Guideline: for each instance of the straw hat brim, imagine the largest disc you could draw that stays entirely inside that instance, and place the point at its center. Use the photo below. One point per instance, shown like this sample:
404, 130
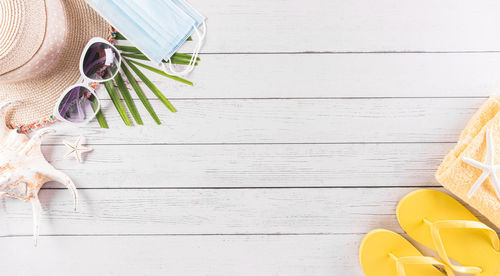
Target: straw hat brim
38, 96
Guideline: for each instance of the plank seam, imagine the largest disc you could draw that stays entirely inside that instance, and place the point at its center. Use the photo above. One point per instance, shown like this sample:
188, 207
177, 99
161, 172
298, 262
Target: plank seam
351, 52
182, 235
251, 188
263, 143
318, 98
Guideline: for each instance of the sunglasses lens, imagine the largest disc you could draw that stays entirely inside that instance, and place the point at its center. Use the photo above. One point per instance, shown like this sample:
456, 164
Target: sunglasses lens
78, 105
101, 62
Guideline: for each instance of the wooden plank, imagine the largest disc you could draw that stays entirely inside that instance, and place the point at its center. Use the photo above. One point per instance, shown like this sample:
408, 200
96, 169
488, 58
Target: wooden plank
183, 255
316, 165
363, 25
287, 121
387, 75
336, 75
208, 211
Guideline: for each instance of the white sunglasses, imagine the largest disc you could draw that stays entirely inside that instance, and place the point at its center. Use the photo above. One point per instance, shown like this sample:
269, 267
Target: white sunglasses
100, 62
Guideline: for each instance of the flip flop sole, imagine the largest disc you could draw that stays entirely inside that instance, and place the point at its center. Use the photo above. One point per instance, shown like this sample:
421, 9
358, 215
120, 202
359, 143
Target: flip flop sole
375, 259
469, 247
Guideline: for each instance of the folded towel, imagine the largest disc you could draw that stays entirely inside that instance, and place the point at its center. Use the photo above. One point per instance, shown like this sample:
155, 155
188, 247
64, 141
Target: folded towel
459, 177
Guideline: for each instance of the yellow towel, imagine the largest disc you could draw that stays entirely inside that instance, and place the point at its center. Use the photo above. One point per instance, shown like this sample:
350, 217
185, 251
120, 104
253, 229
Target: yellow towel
458, 177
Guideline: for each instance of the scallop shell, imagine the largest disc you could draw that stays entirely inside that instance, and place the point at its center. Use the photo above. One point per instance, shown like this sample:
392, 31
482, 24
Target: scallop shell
24, 169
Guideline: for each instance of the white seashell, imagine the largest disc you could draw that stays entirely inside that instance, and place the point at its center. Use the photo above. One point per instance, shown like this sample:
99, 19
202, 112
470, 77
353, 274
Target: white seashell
24, 169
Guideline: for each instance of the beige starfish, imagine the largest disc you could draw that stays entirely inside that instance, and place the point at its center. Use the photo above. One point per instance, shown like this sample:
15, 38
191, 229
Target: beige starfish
76, 150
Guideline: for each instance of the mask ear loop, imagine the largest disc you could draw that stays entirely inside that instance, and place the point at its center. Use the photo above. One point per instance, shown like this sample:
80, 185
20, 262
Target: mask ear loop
192, 62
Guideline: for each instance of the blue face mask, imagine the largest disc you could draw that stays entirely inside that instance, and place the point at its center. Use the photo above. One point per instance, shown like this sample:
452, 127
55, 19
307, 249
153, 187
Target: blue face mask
157, 27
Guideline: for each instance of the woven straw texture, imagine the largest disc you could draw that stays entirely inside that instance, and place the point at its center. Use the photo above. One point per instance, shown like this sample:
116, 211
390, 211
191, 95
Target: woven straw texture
22, 28
39, 94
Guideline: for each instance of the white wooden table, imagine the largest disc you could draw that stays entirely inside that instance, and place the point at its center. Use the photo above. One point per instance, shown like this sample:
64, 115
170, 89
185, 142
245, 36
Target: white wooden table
307, 123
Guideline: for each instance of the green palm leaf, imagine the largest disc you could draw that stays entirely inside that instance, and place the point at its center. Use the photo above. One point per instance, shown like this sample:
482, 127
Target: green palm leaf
135, 53
151, 86
173, 60
158, 71
136, 56
132, 49
139, 93
128, 99
101, 120
184, 56
119, 36
99, 116
116, 101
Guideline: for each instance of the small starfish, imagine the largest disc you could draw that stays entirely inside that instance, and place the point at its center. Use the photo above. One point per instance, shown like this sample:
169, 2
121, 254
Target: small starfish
76, 149
488, 167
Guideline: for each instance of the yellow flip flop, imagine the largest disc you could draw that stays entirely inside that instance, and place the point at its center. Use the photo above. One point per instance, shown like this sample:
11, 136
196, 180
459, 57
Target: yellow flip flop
385, 253
441, 223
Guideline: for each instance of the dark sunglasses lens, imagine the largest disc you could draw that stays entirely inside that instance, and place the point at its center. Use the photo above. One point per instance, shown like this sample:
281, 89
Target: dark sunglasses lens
101, 62
78, 105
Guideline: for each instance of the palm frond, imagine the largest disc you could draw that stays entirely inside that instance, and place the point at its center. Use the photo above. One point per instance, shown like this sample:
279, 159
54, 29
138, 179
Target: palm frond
128, 99
158, 71
101, 120
173, 60
116, 101
151, 86
135, 50
128, 53
140, 93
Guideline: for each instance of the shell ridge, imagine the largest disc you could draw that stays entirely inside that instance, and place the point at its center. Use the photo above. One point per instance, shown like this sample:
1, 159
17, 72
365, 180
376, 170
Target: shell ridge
24, 169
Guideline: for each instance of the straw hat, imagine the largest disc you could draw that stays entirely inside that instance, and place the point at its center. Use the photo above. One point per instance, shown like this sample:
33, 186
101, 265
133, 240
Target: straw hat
41, 42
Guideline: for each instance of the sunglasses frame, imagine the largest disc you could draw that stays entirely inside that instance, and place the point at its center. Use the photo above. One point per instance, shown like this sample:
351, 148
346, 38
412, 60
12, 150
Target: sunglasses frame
86, 81
91, 90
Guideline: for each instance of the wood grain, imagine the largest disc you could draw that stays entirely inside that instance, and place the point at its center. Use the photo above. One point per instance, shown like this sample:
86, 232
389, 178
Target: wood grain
259, 26
307, 123
282, 165
385, 120
184, 255
208, 212
336, 75
271, 213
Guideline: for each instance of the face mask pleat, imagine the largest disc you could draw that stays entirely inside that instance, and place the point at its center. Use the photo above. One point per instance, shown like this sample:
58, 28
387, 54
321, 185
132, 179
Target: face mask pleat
157, 27
189, 10
147, 22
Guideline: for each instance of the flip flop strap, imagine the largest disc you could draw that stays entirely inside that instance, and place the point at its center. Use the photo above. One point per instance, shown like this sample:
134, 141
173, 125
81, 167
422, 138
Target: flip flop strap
447, 224
402, 261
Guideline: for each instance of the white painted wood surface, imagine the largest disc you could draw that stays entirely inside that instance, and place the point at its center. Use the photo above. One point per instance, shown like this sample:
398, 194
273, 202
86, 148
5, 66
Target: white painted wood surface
347, 26
307, 123
338, 75
254, 165
257, 121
